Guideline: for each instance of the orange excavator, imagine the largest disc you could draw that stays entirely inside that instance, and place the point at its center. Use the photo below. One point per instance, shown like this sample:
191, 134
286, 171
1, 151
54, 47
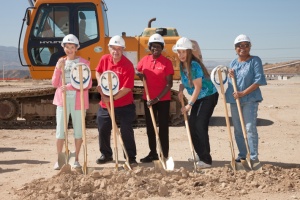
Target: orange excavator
46, 22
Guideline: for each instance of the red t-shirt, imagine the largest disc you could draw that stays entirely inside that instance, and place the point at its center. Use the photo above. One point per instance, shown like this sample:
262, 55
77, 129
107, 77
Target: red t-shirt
156, 71
125, 71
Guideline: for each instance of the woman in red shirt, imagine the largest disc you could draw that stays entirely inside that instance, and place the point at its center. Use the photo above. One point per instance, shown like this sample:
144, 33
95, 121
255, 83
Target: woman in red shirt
158, 72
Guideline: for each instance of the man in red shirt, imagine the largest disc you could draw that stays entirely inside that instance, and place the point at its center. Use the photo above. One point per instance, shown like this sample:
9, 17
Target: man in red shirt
158, 71
123, 101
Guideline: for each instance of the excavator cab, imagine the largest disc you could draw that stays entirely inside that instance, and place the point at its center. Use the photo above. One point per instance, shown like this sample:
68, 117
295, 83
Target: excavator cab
49, 22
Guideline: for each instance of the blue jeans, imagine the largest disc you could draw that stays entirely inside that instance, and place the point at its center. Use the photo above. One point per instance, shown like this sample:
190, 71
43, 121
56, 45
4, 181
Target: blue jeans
249, 110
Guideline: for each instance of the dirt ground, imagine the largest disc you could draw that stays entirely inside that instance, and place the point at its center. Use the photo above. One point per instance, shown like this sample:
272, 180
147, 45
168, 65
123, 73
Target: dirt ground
27, 158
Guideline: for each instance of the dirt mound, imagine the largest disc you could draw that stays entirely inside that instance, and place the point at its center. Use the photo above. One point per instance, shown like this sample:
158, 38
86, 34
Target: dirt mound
142, 183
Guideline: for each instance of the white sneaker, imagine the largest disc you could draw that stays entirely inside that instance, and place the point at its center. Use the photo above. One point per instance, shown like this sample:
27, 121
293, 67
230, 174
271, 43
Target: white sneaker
56, 166
202, 165
192, 159
76, 164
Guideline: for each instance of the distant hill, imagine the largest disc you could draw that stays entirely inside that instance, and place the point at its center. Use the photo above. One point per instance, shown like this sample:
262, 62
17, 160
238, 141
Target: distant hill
292, 67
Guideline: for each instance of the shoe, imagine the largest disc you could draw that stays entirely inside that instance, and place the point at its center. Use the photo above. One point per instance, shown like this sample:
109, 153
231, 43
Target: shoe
133, 163
56, 166
149, 158
76, 165
103, 159
238, 159
202, 165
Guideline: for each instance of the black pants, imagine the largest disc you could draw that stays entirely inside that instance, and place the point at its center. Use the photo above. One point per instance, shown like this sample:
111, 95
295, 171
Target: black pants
161, 112
200, 115
126, 116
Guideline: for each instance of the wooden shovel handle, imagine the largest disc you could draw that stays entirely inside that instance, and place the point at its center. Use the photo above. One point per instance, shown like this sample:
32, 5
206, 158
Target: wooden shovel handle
227, 118
64, 96
241, 116
113, 119
188, 133
83, 121
160, 153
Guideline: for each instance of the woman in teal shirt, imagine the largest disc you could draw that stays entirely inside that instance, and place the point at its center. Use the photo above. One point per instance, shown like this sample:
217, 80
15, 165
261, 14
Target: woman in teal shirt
204, 97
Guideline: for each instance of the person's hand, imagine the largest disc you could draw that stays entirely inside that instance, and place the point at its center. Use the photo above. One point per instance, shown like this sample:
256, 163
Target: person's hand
105, 99
63, 88
186, 108
231, 73
60, 63
237, 94
152, 101
99, 90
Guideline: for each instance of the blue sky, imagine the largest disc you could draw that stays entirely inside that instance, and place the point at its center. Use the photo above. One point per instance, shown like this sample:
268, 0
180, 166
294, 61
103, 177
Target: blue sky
272, 25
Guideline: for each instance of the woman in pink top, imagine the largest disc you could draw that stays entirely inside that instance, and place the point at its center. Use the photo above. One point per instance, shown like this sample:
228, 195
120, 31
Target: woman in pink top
70, 44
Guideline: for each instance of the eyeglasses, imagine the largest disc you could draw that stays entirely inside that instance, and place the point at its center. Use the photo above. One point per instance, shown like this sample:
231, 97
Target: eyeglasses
243, 45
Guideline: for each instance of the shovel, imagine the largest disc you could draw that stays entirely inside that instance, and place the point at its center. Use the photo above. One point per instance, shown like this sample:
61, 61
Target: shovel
232, 163
247, 165
127, 165
113, 119
85, 169
169, 163
63, 158
189, 135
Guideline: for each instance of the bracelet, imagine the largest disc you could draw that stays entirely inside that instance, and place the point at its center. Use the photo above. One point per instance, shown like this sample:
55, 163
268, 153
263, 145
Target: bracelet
157, 98
191, 103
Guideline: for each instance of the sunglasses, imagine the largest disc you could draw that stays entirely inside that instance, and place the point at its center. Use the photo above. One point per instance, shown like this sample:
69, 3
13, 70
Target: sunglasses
243, 45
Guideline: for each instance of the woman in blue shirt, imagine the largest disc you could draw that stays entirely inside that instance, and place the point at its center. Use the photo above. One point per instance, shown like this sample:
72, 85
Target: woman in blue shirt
204, 97
249, 75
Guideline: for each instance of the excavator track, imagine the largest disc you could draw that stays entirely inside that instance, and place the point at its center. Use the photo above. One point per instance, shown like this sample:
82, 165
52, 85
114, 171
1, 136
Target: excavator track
33, 108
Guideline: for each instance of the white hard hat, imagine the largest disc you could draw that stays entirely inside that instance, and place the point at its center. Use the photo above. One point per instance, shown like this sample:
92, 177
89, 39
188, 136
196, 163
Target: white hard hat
70, 39
117, 41
156, 38
242, 38
183, 43
86, 76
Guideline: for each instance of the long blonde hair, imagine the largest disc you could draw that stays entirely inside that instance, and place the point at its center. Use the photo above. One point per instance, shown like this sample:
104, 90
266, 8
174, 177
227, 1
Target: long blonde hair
189, 58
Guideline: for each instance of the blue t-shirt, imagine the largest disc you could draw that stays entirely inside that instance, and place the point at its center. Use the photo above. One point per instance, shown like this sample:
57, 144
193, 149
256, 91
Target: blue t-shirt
208, 87
246, 73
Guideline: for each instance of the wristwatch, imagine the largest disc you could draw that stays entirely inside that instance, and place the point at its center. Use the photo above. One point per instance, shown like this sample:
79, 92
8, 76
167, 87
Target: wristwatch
191, 103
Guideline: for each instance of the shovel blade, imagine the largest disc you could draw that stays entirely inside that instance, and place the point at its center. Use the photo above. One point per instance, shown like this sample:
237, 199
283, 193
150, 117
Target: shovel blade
239, 166
72, 156
256, 165
158, 166
170, 164
246, 165
126, 166
61, 159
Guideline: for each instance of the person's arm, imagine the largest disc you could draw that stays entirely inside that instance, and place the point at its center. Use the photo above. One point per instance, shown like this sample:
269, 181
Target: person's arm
198, 85
248, 90
180, 91
166, 89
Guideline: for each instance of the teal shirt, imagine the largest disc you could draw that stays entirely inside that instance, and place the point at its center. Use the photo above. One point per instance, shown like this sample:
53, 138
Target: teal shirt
208, 87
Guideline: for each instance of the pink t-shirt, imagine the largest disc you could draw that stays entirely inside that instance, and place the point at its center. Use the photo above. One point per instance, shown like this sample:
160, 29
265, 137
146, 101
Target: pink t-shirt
156, 71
